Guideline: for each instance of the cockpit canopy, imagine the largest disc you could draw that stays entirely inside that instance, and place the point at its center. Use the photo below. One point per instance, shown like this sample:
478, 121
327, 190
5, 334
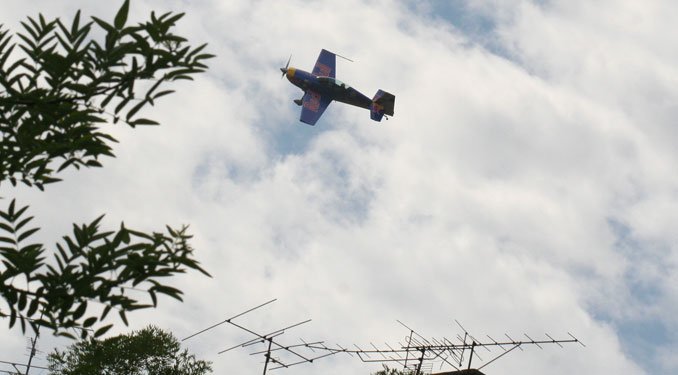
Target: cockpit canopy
332, 81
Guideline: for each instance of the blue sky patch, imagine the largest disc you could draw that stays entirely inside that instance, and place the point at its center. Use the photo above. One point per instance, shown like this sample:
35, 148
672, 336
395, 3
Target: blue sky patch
643, 335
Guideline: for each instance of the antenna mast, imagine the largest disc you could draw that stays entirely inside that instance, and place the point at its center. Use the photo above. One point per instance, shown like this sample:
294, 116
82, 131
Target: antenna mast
293, 354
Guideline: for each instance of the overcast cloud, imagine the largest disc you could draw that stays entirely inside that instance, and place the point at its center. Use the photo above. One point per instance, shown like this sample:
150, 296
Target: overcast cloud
525, 184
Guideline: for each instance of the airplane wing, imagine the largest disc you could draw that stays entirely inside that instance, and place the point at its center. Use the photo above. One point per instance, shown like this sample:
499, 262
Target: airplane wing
326, 64
312, 107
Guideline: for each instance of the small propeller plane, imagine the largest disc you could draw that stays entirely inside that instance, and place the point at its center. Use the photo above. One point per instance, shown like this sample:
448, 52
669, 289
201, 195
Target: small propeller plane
321, 88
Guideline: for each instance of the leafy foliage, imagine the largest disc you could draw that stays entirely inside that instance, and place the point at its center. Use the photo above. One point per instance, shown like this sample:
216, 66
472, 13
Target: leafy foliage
89, 266
392, 371
58, 86
149, 351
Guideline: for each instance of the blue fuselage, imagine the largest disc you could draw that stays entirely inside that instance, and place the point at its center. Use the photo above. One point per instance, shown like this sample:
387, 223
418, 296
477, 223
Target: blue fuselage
329, 87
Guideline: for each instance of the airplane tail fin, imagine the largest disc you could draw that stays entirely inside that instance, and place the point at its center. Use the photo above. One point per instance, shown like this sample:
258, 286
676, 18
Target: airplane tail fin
382, 104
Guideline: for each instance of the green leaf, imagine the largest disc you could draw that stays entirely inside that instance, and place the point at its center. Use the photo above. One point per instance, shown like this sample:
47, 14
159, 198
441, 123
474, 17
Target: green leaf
135, 109
103, 24
123, 317
107, 309
5, 55
162, 93
108, 98
32, 31
121, 17
80, 311
10, 209
101, 331
89, 322
33, 307
65, 334
27, 234
22, 223
169, 291
3, 45
21, 211
174, 18
22, 301
50, 180
6, 228
154, 87
12, 318
143, 121
154, 298
205, 56
8, 240
76, 23
121, 105
65, 164
196, 50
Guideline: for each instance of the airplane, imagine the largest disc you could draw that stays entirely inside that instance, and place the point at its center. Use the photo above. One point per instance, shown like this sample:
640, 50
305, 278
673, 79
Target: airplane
321, 88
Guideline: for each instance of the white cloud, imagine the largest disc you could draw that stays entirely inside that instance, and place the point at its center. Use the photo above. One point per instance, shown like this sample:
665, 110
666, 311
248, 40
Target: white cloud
489, 197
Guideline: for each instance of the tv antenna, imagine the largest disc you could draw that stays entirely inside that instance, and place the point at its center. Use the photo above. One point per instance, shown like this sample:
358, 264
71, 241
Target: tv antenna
275, 353
419, 354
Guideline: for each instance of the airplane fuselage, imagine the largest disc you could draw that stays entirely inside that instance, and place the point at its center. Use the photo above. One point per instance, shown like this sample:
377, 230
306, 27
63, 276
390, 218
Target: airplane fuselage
321, 88
329, 87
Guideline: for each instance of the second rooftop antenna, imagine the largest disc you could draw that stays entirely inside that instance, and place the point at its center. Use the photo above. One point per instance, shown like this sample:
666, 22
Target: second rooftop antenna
298, 352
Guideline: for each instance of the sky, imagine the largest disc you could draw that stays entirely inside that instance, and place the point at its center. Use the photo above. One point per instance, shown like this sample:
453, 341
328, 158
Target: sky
524, 185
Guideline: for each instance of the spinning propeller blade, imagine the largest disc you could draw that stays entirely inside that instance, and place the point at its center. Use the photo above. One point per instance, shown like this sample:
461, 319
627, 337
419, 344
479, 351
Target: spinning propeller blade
284, 70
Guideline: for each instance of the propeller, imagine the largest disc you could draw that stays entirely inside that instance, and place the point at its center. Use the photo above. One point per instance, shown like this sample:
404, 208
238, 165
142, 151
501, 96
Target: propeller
284, 70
